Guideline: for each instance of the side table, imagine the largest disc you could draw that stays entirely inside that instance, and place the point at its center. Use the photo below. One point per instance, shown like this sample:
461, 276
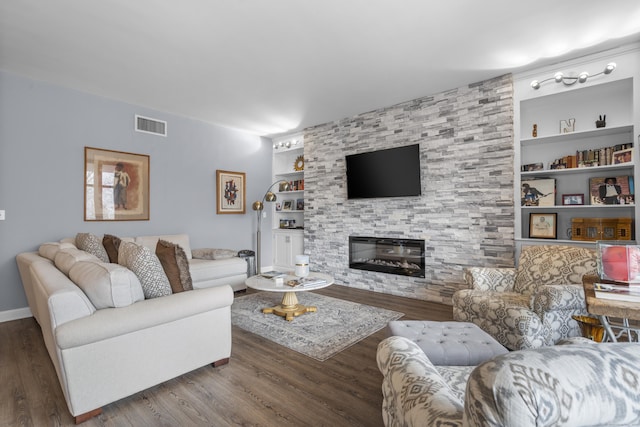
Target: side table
605, 308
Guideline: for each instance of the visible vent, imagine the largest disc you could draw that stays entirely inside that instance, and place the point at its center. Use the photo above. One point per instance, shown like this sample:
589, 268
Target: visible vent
149, 125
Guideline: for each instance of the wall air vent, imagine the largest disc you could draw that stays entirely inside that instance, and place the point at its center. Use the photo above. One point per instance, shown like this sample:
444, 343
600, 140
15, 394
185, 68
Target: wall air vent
149, 125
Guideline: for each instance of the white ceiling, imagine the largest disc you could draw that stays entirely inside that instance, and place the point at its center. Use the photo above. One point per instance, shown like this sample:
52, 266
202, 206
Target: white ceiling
274, 66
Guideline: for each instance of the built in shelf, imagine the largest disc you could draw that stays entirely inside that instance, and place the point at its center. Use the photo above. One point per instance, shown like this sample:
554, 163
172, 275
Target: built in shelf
559, 172
578, 135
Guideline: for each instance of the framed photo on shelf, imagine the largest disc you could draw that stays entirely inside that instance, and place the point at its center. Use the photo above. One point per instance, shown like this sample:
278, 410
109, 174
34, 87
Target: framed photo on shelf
623, 156
532, 167
538, 192
543, 225
230, 192
573, 199
287, 205
300, 204
116, 185
612, 190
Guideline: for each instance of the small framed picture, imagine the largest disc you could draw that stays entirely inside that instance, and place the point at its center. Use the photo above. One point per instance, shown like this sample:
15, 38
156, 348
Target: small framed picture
230, 192
573, 199
543, 225
287, 205
300, 204
567, 126
278, 206
623, 156
532, 167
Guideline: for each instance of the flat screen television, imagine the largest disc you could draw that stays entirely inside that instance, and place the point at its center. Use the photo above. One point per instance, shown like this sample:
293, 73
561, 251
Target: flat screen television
394, 172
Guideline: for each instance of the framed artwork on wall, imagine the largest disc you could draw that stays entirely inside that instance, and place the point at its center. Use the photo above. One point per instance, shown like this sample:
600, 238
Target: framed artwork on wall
543, 225
230, 192
116, 185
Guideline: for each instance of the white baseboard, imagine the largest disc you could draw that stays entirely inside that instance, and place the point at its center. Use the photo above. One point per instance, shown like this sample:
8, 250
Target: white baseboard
19, 313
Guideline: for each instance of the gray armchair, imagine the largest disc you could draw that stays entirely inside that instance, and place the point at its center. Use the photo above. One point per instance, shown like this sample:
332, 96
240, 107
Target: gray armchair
576, 384
532, 305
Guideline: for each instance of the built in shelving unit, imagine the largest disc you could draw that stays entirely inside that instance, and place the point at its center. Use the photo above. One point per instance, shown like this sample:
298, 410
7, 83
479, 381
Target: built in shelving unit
615, 95
288, 210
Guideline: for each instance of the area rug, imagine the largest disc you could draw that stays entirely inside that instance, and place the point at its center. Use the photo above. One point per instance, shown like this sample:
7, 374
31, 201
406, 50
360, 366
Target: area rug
337, 324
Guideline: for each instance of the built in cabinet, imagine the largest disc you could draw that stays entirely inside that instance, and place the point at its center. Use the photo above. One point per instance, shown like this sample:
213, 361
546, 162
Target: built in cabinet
555, 132
288, 210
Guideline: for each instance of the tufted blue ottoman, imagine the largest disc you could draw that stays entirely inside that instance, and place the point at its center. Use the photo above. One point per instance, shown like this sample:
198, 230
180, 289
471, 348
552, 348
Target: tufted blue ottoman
449, 343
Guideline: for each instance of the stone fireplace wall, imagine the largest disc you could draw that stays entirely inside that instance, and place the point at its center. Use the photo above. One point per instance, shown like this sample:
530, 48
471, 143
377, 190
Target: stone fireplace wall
465, 213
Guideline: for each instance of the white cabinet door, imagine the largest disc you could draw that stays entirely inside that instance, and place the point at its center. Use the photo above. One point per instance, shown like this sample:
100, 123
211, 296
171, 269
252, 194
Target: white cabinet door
286, 245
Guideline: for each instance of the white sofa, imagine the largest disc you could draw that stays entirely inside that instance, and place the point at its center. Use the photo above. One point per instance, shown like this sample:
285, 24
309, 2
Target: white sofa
105, 354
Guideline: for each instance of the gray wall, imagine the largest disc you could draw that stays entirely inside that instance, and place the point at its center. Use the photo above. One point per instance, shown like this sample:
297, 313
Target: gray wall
43, 132
465, 213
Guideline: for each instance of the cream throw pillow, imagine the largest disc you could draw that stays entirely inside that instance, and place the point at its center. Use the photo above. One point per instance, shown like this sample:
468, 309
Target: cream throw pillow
107, 285
66, 258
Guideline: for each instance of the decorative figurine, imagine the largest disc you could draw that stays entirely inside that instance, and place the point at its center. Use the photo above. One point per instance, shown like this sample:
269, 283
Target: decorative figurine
602, 122
534, 133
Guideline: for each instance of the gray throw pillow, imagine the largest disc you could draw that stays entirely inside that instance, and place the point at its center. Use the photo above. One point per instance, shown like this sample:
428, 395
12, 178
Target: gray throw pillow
92, 244
146, 265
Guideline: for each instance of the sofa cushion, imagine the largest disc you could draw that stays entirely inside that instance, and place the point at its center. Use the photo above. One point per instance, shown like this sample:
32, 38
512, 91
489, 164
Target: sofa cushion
66, 258
179, 239
107, 285
552, 265
210, 253
175, 264
93, 244
146, 265
50, 249
204, 270
111, 245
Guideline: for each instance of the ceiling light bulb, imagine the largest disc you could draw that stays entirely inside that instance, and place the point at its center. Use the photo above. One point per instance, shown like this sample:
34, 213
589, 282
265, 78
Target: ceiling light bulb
535, 84
610, 67
583, 77
558, 76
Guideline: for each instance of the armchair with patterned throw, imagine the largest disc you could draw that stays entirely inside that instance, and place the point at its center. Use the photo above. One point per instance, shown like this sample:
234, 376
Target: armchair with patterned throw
529, 306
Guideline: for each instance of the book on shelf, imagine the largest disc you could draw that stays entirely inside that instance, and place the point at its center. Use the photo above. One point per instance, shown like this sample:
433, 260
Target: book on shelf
617, 292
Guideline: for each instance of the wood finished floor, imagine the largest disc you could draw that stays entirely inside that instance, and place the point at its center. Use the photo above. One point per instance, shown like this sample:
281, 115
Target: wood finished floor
264, 384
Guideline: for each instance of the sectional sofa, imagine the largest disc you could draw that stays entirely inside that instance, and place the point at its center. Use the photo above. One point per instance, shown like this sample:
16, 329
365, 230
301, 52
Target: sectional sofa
107, 336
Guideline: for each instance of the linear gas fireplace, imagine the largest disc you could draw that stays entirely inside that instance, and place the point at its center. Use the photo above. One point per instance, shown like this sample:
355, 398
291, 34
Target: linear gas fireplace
393, 256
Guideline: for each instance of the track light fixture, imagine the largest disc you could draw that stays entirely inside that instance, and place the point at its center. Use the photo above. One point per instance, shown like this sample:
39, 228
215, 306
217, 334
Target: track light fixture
286, 144
569, 80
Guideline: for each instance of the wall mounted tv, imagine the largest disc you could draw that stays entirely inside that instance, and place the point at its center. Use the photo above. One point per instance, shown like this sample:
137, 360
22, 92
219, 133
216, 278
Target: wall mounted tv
394, 172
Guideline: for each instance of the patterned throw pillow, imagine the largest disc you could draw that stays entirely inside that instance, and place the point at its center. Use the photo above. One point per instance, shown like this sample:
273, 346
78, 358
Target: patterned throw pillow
92, 244
111, 245
175, 264
146, 265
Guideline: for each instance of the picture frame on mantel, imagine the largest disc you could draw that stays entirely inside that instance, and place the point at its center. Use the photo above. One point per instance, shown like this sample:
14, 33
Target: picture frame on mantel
116, 185
230, 192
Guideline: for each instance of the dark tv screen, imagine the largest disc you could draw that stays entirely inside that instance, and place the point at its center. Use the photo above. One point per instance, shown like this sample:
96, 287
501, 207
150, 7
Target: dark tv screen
394, 172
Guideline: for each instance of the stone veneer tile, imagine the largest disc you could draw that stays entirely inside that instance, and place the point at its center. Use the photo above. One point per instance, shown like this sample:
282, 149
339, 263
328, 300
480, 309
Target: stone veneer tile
465, 213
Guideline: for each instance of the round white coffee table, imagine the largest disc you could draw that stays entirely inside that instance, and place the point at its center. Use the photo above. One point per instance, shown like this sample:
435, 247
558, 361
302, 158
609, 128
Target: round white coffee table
289, 307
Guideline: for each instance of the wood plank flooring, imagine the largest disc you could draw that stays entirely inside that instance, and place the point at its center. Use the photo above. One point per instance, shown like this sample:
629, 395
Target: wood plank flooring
264, 384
